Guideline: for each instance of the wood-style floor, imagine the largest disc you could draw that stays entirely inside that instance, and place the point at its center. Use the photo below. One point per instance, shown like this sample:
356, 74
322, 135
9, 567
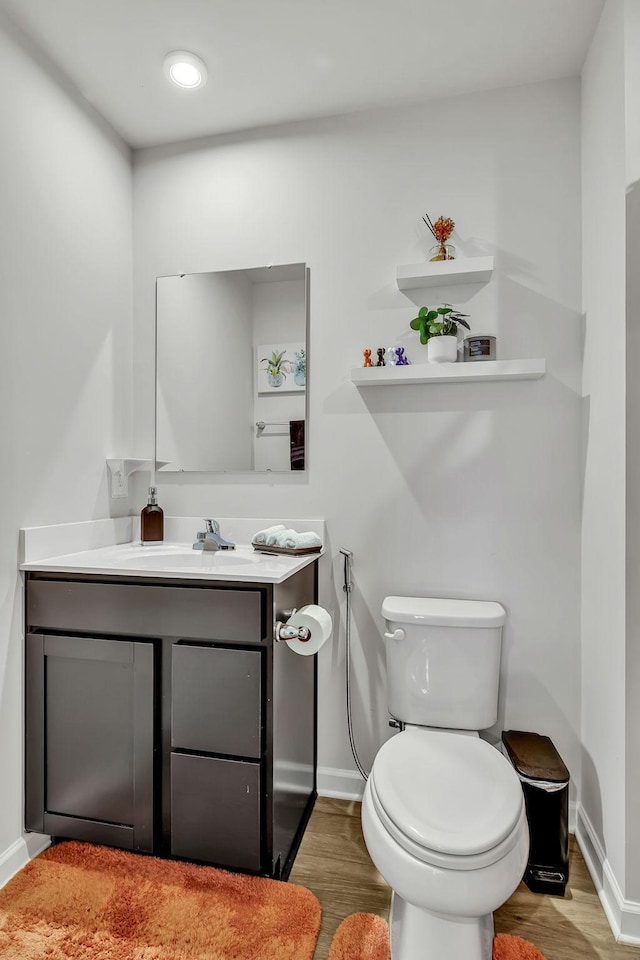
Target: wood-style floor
333, 862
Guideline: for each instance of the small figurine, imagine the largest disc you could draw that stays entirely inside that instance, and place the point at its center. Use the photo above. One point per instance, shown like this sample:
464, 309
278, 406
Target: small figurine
391, 357
380, 362
367, 358
401, 360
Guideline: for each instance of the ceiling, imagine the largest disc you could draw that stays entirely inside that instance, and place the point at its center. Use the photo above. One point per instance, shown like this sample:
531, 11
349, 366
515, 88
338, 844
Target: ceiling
275, 61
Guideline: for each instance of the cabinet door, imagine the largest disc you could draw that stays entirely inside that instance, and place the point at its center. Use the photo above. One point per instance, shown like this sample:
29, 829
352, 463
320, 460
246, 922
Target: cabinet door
216, 700
215, 811
90, 739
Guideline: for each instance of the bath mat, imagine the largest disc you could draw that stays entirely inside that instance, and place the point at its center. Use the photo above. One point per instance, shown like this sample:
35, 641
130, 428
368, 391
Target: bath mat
77, 901
364, 936
508, 947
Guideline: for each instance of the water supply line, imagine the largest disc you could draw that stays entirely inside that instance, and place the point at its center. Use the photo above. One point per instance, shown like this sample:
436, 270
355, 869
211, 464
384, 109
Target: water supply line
348, 587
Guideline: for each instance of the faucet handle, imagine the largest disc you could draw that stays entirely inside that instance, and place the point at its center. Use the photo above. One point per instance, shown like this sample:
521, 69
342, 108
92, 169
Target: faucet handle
211, 526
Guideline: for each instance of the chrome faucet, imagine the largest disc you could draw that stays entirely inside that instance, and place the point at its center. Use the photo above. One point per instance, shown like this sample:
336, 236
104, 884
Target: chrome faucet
211, 539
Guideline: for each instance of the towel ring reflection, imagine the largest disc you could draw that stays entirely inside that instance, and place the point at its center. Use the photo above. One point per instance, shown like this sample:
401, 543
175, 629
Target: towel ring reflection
261, 424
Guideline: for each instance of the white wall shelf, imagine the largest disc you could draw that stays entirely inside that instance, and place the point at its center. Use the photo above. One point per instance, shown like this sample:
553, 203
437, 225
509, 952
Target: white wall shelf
412, 276
120, 471
470, 372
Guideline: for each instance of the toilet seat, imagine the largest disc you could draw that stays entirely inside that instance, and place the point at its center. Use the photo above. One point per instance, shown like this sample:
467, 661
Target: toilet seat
448, 799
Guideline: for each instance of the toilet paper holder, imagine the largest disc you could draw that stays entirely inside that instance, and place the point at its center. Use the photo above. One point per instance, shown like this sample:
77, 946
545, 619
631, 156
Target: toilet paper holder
285, 632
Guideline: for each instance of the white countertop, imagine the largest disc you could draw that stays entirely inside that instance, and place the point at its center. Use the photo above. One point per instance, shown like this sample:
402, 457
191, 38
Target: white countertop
176, 560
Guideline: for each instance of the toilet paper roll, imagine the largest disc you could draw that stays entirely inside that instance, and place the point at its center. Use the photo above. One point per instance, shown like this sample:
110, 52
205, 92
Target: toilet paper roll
319, 622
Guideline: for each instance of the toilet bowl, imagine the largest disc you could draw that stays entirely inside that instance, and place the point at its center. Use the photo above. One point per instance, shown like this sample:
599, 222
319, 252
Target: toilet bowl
443, 813
444, 821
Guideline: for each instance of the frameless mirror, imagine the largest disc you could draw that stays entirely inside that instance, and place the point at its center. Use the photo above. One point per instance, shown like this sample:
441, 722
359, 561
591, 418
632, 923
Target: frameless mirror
231, 369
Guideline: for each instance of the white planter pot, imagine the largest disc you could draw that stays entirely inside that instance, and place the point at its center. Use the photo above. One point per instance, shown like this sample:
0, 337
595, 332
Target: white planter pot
442, 349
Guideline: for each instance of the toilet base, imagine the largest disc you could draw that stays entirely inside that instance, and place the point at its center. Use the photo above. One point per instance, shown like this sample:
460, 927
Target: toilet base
417, 934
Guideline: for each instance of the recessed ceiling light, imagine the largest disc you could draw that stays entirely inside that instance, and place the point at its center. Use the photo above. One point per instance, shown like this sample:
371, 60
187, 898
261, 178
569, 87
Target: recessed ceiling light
185, 69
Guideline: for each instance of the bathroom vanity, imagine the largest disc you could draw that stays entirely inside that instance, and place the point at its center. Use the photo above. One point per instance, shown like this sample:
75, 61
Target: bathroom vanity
161, 714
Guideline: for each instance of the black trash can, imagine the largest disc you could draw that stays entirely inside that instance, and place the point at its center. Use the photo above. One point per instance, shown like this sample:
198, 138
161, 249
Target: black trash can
545, 783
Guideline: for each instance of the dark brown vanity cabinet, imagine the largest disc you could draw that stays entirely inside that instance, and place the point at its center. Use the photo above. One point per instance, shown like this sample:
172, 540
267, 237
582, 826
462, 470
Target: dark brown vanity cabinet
161, 716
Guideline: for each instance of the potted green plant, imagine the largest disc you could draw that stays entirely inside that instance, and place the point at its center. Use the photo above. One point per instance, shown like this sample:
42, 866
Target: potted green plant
277, 368
438, 328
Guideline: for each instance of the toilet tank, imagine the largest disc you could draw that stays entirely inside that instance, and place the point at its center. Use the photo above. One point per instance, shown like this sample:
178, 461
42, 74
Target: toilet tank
443, 661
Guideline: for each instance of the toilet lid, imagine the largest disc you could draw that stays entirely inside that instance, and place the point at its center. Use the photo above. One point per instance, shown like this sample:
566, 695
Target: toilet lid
452, 794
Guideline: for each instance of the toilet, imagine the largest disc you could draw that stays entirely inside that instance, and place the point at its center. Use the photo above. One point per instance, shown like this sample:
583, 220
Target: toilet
443, 812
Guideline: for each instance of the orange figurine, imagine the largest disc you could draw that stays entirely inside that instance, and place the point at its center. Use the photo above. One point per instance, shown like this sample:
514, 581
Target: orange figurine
367, 359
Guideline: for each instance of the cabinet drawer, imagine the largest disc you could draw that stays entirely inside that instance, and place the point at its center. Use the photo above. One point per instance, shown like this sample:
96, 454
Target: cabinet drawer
215, 811
216, 700
147, 611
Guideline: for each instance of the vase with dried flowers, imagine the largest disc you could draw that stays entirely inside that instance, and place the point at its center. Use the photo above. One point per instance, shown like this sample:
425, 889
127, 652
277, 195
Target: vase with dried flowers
441, 230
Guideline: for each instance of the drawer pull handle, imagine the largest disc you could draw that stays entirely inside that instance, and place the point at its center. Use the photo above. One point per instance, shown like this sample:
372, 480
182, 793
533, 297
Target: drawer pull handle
285, 632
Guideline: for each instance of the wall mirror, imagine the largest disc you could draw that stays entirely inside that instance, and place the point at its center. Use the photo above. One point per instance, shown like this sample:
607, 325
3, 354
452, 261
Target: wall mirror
232, 369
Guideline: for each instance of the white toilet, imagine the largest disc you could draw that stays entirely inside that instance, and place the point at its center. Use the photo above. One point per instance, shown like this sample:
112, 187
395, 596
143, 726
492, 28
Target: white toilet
443, 811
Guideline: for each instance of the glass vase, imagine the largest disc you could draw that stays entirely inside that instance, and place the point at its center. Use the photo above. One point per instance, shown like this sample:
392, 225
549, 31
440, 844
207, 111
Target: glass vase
442, 251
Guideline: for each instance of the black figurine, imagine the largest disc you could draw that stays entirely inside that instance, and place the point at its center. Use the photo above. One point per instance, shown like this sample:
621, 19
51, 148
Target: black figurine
381, 361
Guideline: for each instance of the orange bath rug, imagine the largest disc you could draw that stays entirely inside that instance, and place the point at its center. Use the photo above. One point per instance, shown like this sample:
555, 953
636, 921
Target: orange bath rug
77, 901
363, 936
507, 947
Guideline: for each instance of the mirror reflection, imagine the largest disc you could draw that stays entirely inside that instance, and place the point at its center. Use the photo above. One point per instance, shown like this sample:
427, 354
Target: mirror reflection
231, 369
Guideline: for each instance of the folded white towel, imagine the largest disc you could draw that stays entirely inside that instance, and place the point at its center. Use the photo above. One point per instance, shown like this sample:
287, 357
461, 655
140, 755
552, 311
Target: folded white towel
291, 539
278, 537
261, 535
308, 539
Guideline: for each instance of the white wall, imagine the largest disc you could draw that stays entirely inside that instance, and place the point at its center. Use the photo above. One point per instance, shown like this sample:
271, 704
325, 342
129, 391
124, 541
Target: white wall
470, 491
65, 350
632, 659
603, 553
632, 87
632, 671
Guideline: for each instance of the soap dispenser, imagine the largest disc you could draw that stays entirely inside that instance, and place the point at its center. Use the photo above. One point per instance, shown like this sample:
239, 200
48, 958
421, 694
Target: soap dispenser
152, 519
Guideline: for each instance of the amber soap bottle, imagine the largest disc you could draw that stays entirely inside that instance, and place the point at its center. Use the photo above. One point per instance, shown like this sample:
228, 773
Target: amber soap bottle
152, 519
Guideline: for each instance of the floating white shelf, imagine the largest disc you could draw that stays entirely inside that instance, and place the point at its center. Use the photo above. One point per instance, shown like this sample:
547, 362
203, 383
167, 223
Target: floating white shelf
445, 272
470, 372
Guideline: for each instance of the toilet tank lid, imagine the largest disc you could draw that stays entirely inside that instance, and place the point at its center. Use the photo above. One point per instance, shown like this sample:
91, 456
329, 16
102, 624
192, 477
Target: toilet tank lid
443, 612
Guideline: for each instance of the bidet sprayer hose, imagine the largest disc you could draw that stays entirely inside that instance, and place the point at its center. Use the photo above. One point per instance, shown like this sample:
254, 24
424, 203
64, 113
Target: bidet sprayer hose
348, 587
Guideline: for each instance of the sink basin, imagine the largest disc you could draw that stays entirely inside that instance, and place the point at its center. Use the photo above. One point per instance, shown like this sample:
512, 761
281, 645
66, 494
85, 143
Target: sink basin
161, 550
194, 559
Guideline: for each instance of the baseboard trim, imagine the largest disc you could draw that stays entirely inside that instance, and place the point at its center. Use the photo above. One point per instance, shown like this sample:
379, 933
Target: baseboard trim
20, 853
573, 815
623, 915
340, 784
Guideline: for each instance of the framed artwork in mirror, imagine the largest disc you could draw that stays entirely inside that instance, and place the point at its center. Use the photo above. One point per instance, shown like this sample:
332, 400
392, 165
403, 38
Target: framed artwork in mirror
282, 367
